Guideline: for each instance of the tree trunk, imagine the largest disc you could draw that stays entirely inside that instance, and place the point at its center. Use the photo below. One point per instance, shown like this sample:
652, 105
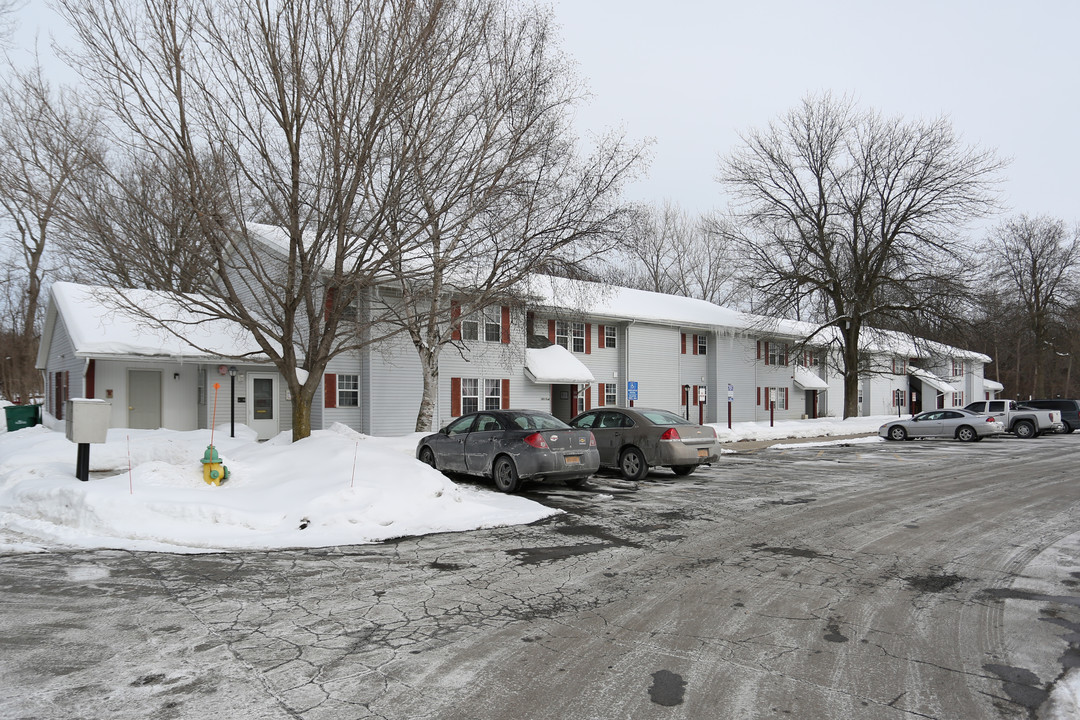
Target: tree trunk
429, 365
850, 335
301, 408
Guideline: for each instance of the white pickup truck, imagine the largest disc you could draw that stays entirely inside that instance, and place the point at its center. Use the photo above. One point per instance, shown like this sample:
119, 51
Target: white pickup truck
1020, 420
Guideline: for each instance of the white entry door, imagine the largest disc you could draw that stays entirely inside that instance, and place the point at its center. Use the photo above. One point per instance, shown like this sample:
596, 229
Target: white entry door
262, 404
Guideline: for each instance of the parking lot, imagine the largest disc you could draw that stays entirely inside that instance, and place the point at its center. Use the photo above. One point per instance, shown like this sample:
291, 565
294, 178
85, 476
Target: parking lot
892, 580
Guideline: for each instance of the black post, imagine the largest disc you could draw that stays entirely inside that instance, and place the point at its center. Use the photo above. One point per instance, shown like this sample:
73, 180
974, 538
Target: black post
232, 401
82, 462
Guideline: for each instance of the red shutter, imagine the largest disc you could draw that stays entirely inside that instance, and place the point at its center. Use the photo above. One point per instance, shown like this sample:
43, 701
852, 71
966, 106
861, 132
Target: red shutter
695, 344
600, 336
506, 394
695, 394
330, 386
505, 325
600, 393
588, 397
759, 395
588, 342
455, 320
551, 331
89, 389
455, 397
682, 337
766, 352
758, 349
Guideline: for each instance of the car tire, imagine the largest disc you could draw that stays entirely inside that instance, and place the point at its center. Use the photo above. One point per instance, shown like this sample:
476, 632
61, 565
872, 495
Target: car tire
683, 469
632, 464
428, 457
966, 433
1068, 428
897, 433
1024, 429
505, 475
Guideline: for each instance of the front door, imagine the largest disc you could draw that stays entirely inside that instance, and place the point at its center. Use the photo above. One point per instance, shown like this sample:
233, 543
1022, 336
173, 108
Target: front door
262, 404
144, 399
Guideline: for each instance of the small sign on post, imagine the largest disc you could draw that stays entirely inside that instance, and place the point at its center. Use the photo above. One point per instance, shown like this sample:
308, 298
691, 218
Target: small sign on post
631, 390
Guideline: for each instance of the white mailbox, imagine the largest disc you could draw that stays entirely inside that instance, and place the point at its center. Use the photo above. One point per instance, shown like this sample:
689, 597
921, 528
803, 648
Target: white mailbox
87, 420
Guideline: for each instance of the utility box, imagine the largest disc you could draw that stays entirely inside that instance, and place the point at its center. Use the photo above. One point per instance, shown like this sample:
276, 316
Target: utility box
87, 420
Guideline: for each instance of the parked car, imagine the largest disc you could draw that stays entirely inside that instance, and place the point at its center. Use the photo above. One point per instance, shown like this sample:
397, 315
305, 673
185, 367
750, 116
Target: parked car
634, 439
956, 423
511, 446
1021, 421
1069, 409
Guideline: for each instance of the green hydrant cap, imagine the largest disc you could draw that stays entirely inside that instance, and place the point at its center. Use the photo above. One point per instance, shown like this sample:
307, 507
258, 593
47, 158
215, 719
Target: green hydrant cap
211, 455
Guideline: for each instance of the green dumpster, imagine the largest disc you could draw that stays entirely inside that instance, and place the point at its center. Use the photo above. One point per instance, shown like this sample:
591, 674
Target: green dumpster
22, 416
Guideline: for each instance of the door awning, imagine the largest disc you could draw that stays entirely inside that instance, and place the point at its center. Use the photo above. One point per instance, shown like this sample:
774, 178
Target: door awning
993, 385
930, 379
555, 365
807, 380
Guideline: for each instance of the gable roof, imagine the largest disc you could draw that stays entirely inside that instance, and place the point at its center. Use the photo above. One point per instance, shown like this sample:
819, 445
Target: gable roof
100, 326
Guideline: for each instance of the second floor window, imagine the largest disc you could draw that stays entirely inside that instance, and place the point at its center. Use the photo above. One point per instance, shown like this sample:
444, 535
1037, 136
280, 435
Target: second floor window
492, 326
957, 368
777, 353
899, 366
702, 345
609, 336
571, 335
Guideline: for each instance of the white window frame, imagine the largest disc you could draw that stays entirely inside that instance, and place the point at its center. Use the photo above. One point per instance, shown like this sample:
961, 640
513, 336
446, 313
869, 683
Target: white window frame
610, 336
348, 390
470, 395
899, 366
492, 394
470, 329
578, 336
778, 354
562, 333
611, 394
702, 344
493, 325
957, 368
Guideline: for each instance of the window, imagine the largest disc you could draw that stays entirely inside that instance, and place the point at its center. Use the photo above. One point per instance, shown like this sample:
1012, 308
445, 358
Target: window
899, 366
777, 354
579, 337
470, 395
609, 336
610, 394
958, 399
899, 398
470, 330
702, 345
492, 394
579, 400
781, 397
562, 333
348, 390
957, 368
492, 326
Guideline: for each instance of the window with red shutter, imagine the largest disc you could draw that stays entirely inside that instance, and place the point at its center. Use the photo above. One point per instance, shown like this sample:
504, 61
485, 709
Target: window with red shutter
505, 325
330, 390
682, 341
506, 394
600, 389
455, 397
600, 337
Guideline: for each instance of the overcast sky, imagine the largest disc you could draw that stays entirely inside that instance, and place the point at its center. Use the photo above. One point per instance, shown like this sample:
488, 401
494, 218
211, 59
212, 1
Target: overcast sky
692, 75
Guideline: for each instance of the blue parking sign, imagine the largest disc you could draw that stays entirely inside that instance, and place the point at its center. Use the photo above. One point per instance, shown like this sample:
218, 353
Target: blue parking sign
631, 389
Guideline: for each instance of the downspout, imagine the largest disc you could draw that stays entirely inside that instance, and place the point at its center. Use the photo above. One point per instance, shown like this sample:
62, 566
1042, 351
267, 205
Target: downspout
626, 362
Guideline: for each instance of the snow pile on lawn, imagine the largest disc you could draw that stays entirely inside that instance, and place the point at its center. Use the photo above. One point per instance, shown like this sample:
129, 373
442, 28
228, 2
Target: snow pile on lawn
337, 487
781, 429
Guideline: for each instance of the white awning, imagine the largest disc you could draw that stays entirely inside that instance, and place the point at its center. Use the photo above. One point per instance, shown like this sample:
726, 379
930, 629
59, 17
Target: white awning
807, 380
993, 385
555, 365
930, 379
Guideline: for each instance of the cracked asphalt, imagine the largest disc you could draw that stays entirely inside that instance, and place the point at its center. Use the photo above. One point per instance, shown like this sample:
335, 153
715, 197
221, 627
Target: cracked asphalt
906, 580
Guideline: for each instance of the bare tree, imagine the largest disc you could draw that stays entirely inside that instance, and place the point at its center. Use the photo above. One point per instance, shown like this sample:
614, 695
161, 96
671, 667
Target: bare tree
491, 179
45, 141
855, 216
296, 102
1034, 261
667, 250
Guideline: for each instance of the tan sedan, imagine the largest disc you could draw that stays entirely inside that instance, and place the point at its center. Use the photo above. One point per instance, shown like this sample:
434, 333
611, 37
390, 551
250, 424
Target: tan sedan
634, 439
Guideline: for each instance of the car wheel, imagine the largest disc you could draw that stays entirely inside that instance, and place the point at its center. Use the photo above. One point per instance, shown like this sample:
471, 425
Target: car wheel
897, 433
428, 457
683, 469
506, 475
1069, 428
964, 433
1024, 429
632, 464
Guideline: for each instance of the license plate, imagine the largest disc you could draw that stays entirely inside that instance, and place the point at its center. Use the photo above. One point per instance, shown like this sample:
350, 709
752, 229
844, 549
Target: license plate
573, 459
702, 452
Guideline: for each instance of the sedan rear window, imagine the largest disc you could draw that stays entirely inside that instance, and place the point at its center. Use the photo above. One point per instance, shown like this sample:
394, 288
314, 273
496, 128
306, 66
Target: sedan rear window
661, 417
538, 421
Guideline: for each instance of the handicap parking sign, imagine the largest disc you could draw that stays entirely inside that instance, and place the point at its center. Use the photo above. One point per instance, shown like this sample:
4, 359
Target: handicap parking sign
631, 389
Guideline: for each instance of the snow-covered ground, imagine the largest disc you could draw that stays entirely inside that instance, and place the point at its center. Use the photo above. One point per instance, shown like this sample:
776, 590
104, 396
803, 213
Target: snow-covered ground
337, 487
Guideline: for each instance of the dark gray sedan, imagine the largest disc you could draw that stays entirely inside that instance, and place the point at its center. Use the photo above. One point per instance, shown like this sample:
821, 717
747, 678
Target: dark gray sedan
633, 439
511, 446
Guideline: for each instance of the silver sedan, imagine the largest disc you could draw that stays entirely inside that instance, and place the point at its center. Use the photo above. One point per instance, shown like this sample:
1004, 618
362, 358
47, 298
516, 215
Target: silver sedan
955, 423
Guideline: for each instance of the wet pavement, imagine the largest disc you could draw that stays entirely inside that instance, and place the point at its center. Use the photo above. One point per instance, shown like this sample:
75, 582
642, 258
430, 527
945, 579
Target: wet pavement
924, 579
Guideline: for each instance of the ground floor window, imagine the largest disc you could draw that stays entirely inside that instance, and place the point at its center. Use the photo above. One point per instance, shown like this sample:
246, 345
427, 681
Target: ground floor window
470, 395
492, 394
781, 394
348, 387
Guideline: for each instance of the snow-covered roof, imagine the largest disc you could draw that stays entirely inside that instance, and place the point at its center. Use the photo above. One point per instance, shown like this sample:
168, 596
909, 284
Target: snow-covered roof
930, 379
100, 323
601, 300
555, 365
993, 385
807, 380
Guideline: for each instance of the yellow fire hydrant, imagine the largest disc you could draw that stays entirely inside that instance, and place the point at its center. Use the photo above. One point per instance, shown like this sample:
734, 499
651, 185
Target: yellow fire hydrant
214, 473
